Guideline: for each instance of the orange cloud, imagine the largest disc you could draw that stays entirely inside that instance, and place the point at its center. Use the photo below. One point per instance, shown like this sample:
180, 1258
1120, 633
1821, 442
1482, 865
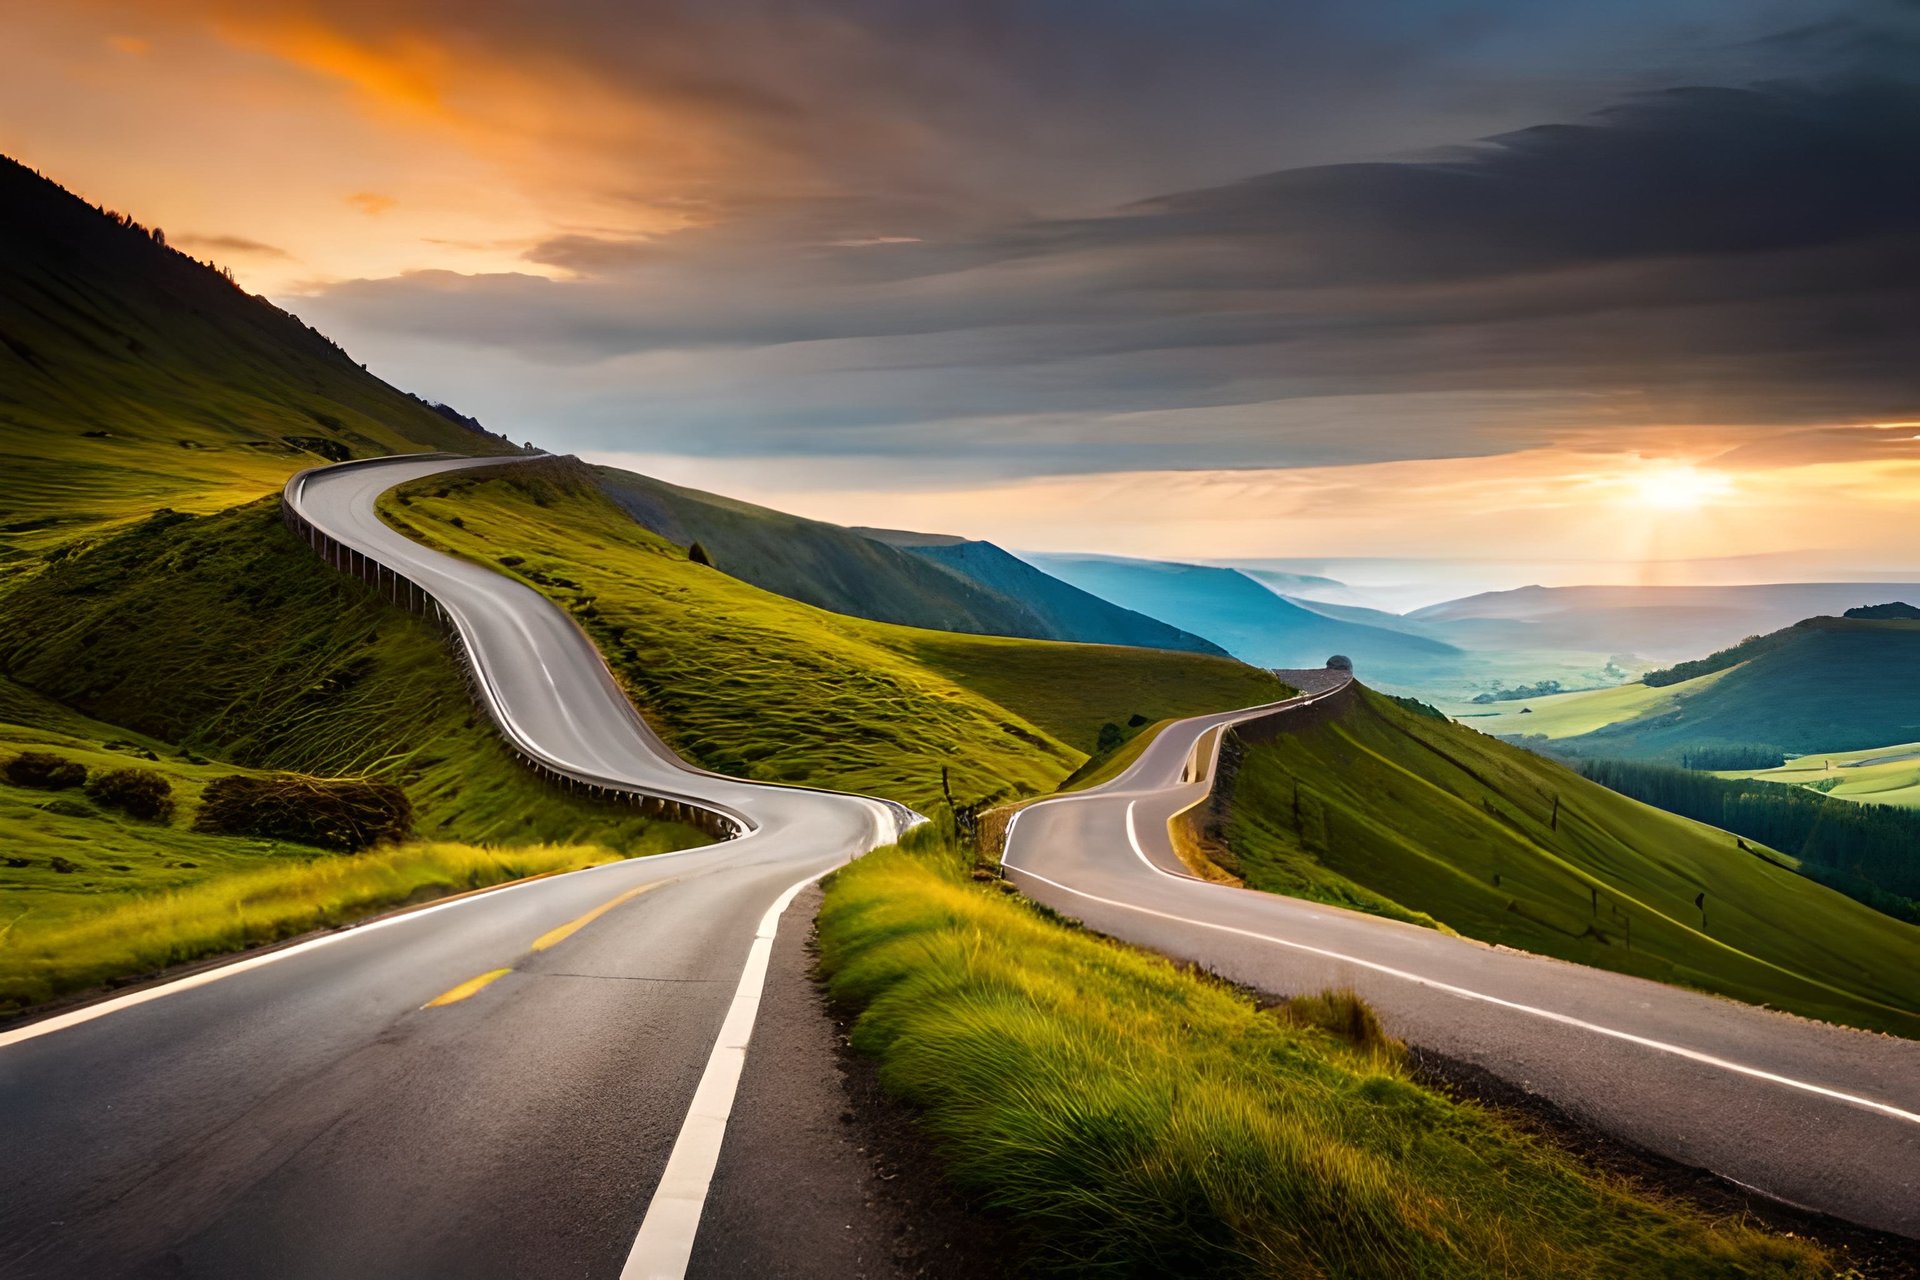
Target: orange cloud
132, 46
371, 203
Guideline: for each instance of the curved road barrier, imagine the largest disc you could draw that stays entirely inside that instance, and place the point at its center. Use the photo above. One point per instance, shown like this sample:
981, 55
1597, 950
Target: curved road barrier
1819, 1116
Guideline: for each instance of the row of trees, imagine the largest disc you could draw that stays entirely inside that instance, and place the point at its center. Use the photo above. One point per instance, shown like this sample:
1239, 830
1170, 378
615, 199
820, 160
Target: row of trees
1850, 846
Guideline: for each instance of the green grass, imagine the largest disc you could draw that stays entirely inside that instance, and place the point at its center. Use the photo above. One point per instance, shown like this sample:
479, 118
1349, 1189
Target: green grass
273, 899
756, 685
133, 378
1877, 775
1401, 813
224, 635
1565, 715
216, 644
1133, 1118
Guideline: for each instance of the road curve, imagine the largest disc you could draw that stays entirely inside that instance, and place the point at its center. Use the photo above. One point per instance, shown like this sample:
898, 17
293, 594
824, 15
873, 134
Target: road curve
501, 1085
1819, 1116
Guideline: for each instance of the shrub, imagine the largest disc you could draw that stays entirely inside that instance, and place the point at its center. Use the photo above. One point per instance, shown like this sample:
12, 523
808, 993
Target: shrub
138, 793
45, 770
346, 814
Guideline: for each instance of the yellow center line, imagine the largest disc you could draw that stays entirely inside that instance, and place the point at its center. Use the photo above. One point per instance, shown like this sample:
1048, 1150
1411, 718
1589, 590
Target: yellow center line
555, 936
472, 986
465, 989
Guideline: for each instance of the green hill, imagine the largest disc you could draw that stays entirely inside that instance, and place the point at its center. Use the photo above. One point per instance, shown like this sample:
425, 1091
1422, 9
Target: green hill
133, 377
751, 683
1822, 685
1065, 611
1376, 807
848, 572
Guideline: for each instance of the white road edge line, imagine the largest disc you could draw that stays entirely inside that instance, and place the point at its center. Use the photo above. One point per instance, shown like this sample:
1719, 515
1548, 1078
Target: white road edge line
1692, 1055
664, 1246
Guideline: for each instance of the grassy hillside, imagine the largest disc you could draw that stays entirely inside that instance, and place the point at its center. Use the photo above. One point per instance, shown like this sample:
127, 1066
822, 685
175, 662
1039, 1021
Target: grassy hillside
1425, 816
1822, 685
223, 635
753, 684
1246, 619
818, 563
134, 378
1132, 1118
1066, 612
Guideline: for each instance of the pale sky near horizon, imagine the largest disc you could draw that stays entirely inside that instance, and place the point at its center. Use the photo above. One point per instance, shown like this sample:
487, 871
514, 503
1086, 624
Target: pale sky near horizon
1195, 281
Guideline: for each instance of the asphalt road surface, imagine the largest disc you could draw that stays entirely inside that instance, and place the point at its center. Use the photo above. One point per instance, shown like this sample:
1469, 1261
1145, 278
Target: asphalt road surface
499, 1086
1819, 1116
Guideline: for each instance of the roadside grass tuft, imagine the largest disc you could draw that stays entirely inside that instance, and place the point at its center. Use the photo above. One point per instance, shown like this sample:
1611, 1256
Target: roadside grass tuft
39, 960
1136, 1119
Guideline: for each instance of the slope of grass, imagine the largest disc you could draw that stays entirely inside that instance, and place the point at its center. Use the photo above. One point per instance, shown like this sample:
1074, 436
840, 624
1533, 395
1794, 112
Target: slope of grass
818, 563
273, 899
133, 377
1431, 817
750, 683
1825, 684
1137, 1119
220, 643
1566, 715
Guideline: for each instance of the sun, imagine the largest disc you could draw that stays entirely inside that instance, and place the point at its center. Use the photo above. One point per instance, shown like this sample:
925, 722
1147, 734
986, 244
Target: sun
1669, 487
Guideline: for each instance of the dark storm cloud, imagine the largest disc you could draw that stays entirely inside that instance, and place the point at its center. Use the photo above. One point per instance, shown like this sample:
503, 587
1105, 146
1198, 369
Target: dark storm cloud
1691, 255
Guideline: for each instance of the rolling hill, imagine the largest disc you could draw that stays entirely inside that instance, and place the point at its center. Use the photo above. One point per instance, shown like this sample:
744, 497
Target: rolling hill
1377, 806
752, 683
133, 377
1247, 619
1066, 611
881, 578
1821, 685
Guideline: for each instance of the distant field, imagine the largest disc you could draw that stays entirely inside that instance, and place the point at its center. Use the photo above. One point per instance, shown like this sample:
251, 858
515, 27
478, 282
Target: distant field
1878, 775
1567, 715
756, 685
1381, 810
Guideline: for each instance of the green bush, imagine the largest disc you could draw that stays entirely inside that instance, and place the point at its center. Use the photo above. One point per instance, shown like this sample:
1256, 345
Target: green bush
46, 771
346, 814
138, 793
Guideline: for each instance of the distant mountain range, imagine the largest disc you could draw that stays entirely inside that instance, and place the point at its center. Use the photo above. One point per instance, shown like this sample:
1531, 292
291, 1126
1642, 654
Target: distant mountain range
914, 579
1657, 623
1248, 619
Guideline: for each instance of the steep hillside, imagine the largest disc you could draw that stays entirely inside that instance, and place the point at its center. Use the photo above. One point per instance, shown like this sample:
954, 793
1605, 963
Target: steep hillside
1067, 612
134, 378
751, 683
1378, 807
1245, 618
1825, 684
880, 575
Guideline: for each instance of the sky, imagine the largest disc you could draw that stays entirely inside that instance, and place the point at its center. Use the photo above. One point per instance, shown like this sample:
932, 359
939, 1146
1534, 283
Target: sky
1621, 292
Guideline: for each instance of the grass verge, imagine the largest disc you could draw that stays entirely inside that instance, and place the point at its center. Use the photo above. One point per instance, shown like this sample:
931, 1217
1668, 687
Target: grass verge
40, 960
1137, 1119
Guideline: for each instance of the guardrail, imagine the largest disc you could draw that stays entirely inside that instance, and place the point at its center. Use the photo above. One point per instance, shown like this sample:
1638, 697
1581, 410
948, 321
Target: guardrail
716, 821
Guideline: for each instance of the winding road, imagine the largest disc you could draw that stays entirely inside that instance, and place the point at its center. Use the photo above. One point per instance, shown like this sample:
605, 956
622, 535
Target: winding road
536, 1080
1822, 1117
529, 1081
